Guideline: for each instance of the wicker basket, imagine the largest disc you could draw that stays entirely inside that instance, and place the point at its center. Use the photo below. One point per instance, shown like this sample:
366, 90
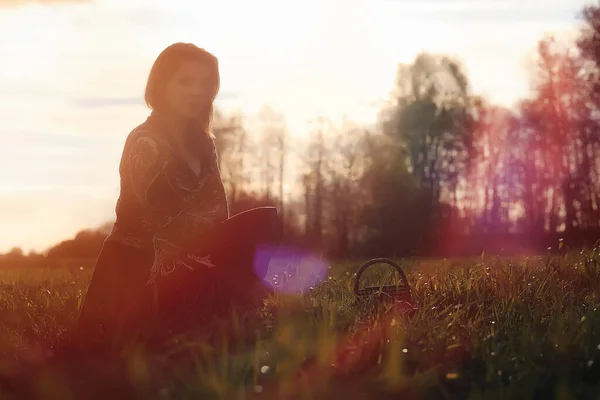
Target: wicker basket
396, 294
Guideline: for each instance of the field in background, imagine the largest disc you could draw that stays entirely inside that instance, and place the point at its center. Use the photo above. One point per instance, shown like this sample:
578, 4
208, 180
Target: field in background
485, 328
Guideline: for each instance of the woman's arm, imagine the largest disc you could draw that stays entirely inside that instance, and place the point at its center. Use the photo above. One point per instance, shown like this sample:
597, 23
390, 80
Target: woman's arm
150, 177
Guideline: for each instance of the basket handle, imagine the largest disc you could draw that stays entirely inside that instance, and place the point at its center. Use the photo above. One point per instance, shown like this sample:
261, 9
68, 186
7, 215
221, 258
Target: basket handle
378, 261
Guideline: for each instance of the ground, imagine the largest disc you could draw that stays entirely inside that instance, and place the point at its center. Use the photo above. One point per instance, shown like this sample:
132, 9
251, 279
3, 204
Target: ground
485, 328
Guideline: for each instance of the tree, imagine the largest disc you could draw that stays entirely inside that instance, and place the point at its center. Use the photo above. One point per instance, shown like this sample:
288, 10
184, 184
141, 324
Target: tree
429, 117
313, 180
274, 138
564, 144
15, 252
234, 147
396, 213
344, 170
589, 46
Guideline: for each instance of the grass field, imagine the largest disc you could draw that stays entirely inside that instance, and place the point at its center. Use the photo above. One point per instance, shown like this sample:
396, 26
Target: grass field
485, 328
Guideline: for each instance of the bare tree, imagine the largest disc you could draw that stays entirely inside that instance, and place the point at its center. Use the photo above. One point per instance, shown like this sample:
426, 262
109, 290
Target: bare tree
313, 180
344, 169
273, 148
233, 144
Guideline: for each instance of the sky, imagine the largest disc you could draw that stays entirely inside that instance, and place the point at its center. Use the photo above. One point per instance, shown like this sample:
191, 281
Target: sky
72, 75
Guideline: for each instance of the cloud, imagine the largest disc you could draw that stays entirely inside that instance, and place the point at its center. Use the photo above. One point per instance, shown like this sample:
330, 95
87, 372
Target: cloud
25, 140
153, 18
20, 3
460, 11
19, 89
563, 14
104, 102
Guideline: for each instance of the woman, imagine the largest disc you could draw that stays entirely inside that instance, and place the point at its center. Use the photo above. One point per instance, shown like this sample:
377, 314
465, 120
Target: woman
174, 257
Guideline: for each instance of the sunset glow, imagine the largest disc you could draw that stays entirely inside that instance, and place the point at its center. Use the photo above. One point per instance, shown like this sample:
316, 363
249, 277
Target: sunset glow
72, 77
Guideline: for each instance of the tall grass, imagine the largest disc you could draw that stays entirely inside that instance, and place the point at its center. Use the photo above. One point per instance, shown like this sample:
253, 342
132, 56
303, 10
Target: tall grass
484, 328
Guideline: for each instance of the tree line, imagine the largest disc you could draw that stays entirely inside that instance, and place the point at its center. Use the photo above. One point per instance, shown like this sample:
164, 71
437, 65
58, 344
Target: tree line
444, 172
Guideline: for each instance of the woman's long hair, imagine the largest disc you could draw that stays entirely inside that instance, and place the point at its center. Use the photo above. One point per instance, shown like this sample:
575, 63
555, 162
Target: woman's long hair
167, 62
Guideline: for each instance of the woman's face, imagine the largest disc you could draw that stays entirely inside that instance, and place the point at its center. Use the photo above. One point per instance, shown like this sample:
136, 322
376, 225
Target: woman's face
190, 90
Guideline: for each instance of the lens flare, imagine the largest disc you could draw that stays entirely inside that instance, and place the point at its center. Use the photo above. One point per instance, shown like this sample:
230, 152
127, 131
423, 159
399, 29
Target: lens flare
291, 270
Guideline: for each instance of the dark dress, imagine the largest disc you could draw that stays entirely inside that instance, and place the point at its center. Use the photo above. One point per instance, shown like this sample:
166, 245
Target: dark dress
175, 258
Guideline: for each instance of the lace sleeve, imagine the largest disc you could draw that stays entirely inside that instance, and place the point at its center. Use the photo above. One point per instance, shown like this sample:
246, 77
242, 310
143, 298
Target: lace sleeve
150, 178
